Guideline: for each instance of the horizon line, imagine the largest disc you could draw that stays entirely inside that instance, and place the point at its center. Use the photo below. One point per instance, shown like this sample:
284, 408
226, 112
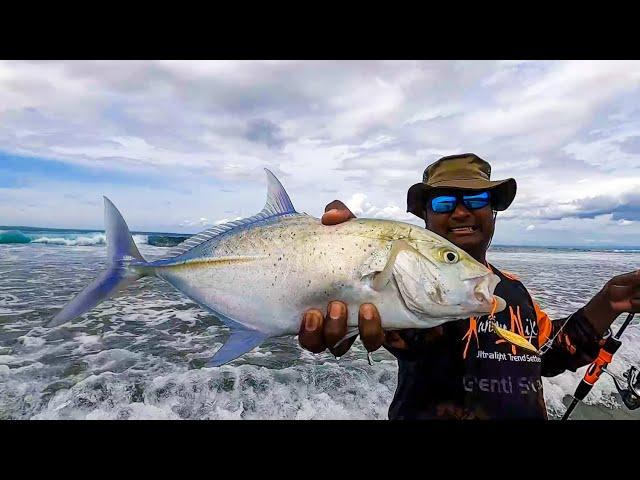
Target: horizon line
140, 232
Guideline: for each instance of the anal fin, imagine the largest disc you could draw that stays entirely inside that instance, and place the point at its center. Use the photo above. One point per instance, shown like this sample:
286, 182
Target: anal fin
240, 342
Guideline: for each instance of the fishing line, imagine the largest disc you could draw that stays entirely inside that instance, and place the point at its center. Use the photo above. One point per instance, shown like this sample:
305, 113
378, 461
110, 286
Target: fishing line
548, 345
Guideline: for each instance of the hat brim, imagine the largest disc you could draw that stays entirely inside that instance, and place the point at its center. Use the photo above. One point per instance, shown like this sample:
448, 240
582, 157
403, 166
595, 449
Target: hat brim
502, 192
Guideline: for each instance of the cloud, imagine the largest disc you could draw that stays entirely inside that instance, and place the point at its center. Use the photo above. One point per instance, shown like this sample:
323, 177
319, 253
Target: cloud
202, 222
264, 131
361, 207
625, 206
548, 105
612, 147
618, 207
568, 131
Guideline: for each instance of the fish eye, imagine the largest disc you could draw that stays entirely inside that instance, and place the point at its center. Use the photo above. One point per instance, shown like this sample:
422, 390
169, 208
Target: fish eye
451, 257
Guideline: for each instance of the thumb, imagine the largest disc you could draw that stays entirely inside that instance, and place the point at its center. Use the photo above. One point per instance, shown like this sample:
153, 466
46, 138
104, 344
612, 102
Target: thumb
336, 212
631, 279
619, 292
336, 205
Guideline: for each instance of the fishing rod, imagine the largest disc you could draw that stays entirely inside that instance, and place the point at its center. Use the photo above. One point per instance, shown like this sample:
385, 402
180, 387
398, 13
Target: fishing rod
630, 395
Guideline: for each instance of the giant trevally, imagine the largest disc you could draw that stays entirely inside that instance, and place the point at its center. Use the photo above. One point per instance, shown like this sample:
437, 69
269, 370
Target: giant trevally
258, 275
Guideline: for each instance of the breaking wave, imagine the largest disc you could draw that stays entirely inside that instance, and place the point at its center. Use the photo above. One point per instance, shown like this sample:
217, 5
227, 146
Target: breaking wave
69, 240
78, 238
96, 239
13, 236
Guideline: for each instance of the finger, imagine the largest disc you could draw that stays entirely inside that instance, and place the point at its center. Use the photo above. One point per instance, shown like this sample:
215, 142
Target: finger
310, 335
370, 326
336, 212
631, 278
635, 305
394, 340
619, 293
334, 217
626, 304
336, 205
335, 327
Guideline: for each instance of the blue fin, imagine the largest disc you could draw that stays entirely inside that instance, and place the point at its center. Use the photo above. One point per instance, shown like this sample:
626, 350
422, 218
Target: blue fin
278, 203
121, 251
240, 342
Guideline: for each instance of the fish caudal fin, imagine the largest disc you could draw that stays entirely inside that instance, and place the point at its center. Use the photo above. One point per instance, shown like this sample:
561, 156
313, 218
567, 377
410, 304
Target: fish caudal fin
122, 253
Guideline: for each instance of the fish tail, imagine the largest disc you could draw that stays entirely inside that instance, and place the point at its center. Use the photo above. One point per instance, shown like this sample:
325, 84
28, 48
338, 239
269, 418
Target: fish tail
126, 265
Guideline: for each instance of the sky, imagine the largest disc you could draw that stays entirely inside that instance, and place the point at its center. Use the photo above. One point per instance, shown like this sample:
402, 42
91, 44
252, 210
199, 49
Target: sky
181, 145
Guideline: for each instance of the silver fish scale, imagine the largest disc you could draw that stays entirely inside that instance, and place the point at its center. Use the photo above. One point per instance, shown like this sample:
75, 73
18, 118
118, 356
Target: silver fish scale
265, 276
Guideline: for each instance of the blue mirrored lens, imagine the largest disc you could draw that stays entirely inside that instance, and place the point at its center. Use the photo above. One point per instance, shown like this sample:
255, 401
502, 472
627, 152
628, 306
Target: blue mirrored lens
479, 200
443, 204
447, 203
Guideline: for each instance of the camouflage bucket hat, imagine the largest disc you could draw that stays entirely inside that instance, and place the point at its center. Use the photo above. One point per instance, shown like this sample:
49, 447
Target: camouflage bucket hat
467, 172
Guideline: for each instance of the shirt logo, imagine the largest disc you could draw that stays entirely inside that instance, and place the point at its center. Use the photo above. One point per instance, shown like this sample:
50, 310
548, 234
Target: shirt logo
528, 329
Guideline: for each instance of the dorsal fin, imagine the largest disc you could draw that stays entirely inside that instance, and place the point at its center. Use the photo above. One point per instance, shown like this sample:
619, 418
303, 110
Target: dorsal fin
278, 203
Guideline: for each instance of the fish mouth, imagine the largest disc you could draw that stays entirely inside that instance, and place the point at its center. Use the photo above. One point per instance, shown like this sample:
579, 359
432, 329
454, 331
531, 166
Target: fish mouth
488, 308
502, 304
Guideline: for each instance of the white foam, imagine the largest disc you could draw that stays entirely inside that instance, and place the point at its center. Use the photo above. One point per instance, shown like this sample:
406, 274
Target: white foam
85, 339
246, 391
141, 239
131, 357
115, 360
258, 353
95, 239
32, 342
85, 240
133, 411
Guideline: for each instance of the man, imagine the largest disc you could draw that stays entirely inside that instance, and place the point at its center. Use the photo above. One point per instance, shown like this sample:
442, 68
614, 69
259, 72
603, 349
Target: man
462, 369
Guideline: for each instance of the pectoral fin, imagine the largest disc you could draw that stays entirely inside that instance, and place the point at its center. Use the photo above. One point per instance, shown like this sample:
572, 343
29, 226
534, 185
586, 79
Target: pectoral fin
382, 279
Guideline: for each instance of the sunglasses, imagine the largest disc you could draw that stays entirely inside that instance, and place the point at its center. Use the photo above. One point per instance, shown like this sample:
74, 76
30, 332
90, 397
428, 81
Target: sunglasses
448, 203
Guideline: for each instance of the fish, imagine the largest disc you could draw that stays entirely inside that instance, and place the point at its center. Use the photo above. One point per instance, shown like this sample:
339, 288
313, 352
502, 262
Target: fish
259, 274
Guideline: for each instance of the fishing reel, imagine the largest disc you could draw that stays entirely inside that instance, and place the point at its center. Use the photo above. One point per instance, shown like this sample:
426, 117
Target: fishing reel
630, 393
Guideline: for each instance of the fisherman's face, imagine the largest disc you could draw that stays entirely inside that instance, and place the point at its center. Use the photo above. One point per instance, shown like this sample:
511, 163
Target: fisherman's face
468, 229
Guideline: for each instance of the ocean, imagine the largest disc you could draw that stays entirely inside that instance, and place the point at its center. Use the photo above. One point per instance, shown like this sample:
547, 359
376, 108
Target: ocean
138, 356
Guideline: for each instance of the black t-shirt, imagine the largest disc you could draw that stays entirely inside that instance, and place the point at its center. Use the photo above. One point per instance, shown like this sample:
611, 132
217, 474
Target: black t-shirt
462, 369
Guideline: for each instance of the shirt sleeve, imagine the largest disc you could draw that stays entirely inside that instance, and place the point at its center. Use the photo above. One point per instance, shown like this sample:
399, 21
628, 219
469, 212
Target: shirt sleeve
575, 342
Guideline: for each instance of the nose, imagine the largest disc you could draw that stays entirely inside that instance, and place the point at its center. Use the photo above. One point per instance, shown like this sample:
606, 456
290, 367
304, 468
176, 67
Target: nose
460, 211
